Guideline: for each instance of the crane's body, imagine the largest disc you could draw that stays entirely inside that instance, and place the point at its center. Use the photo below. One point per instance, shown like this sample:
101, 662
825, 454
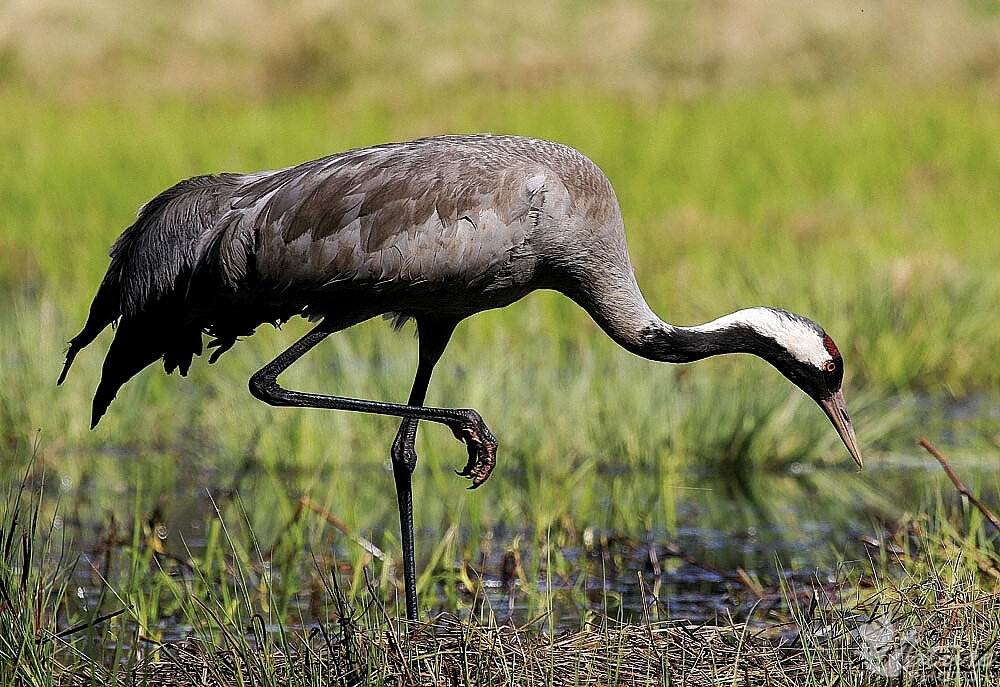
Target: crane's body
445, 226
435, 229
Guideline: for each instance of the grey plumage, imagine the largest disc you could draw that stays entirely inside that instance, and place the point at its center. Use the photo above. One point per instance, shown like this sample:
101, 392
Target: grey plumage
452, 224
434, 229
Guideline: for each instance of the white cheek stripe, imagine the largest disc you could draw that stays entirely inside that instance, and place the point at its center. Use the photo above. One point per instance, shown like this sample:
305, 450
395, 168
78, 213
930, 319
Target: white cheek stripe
797, 338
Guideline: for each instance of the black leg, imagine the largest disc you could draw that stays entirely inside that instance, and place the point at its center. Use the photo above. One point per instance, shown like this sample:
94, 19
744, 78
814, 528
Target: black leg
466, 424
434, 337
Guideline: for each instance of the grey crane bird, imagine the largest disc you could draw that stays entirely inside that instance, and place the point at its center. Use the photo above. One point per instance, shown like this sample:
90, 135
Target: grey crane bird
434, 229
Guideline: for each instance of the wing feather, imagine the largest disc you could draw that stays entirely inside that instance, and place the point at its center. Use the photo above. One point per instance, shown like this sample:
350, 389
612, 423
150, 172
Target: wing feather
389, 216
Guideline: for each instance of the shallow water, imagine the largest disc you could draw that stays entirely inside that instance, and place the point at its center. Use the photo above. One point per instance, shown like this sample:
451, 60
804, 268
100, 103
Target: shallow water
726, 557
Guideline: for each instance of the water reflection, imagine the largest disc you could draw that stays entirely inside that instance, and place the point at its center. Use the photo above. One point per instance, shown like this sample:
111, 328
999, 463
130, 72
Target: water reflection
801, 528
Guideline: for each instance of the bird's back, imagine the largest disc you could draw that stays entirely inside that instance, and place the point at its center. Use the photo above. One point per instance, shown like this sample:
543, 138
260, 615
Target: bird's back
471, 214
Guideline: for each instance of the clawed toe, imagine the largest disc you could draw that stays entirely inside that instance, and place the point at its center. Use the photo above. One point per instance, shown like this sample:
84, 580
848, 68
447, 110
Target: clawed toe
482, 447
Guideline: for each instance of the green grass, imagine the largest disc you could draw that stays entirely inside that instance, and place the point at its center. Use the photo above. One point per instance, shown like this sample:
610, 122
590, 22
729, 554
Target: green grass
876, 220
816, 172
921, 607
879, 224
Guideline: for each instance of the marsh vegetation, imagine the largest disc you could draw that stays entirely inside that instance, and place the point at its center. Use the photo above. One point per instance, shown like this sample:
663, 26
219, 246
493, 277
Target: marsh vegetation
831, 161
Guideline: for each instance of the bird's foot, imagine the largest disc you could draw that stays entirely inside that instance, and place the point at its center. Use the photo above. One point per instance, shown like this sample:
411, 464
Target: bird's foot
482, 446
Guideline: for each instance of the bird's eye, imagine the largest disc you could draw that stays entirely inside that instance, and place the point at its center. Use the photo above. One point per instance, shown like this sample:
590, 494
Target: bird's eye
830, 366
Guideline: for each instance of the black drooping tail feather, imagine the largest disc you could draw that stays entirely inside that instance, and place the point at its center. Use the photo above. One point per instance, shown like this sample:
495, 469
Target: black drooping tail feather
103, 311
150, 289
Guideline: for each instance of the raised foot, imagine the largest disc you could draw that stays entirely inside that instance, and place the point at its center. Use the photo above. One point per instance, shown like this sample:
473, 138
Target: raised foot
481, 444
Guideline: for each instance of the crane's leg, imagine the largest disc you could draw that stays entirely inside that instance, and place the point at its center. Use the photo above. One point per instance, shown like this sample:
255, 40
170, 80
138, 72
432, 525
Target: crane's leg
434, 336
467, 425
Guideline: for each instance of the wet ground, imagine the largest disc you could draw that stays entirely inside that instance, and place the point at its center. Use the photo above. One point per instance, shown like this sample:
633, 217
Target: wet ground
727, 558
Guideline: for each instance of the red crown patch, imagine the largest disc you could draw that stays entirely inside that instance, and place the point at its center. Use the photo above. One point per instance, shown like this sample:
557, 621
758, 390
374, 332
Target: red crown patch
830, 347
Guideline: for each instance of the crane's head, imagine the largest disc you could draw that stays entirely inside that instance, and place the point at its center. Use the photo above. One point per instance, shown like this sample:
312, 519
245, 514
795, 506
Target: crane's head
802, 351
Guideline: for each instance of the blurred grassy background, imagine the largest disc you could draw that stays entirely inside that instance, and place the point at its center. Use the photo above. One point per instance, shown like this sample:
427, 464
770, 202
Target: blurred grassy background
397, 50
838, 159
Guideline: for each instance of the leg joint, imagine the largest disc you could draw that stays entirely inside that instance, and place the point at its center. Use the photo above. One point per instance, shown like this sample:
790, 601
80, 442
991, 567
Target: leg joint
263, 387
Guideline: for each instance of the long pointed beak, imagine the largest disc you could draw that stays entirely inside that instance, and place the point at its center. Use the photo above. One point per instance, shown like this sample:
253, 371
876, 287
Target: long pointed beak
835, 408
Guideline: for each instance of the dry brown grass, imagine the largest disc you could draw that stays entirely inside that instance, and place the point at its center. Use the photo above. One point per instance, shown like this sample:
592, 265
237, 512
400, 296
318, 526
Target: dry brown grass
640, 47
931, 633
